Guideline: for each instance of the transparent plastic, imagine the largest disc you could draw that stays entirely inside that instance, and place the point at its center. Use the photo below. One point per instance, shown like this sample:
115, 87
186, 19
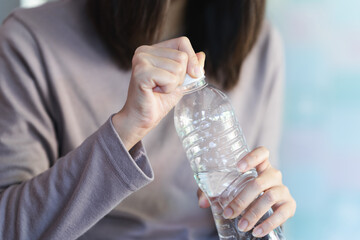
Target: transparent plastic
214, 143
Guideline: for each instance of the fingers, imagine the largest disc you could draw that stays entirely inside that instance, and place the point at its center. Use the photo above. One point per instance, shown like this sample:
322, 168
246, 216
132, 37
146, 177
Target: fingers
261, 194
261, 206
203, 201
194, 67
159, 68
258, 158
158, 80
266, 180
161, 74
174, 54
160, 56
282, 213
251, 207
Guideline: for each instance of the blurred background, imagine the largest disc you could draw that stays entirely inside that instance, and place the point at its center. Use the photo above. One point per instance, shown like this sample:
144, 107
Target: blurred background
320, 145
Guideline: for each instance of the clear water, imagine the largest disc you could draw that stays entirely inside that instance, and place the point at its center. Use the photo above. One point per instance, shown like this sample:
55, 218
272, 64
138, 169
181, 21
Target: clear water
213, 183
214, 143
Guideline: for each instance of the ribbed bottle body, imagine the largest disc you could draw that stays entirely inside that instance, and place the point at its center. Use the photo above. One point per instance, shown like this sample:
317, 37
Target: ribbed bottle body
211, 137
214, 143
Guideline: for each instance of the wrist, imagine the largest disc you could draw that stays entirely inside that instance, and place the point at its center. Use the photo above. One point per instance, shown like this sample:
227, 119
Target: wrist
126, 128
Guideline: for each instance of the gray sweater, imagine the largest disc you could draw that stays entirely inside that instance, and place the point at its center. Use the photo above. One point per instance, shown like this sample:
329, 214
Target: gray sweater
64, 172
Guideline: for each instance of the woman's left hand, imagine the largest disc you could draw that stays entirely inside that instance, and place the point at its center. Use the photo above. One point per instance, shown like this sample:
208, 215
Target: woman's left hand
275, 195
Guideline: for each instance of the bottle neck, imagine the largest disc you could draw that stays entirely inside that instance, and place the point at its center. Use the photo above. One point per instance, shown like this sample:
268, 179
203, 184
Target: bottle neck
195, 86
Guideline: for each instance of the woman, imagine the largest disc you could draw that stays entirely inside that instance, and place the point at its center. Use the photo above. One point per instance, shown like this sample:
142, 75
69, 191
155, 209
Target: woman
65, 68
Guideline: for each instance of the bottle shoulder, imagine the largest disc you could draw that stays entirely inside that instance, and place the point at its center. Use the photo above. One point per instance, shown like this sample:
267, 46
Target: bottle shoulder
208, 97
207, 92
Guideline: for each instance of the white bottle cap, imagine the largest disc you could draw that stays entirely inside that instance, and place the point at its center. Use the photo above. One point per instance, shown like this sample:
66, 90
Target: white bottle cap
188, 80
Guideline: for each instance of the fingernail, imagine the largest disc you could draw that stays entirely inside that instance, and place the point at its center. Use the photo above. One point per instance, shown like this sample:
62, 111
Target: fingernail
228, 212
257, 231
242, 166
243, 224
202, 201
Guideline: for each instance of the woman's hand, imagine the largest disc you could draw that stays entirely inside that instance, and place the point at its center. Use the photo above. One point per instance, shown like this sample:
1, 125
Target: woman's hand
275, 195
157, 71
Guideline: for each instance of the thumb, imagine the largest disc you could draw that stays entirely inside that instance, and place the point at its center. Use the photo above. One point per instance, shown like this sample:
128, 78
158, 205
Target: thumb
203, 201
201, 58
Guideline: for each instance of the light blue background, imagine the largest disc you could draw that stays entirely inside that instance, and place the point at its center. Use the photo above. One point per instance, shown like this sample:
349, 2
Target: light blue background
320, 145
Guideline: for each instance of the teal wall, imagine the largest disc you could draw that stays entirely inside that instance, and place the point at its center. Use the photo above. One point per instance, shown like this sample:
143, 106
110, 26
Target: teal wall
321, 138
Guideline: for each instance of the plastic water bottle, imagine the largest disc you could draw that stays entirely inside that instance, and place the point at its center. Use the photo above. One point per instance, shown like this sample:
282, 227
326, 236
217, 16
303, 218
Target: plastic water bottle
214, 143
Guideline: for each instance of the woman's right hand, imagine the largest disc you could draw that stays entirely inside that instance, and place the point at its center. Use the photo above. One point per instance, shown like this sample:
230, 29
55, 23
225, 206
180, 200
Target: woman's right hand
157, 71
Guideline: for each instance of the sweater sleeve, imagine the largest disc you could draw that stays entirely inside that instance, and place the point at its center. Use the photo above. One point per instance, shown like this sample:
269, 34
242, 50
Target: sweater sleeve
43, 196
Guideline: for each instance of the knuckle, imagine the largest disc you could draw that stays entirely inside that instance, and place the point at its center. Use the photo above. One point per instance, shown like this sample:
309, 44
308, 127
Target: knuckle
238, 204
270, 197
179, 69
278, 174
138, 58
142, 48
135, 59
269, 225
292, 214
182, 57
260, 152
253, 215
258, 184
140, 68
141, 55
265, 150
283, 215
137, 50
184, 40
286, 190
252, 157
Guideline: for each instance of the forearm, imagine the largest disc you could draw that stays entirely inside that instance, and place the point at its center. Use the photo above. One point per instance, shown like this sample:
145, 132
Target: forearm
70, 197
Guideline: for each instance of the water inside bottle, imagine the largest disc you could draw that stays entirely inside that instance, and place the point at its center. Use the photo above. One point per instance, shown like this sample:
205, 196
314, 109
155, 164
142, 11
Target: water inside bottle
214, 143
214, 182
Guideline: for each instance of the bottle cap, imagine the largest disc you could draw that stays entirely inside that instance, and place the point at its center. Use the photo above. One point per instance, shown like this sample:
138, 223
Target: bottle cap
188, 79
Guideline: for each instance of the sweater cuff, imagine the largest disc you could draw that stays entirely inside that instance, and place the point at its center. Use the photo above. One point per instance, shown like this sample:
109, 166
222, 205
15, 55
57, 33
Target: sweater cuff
133, 167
